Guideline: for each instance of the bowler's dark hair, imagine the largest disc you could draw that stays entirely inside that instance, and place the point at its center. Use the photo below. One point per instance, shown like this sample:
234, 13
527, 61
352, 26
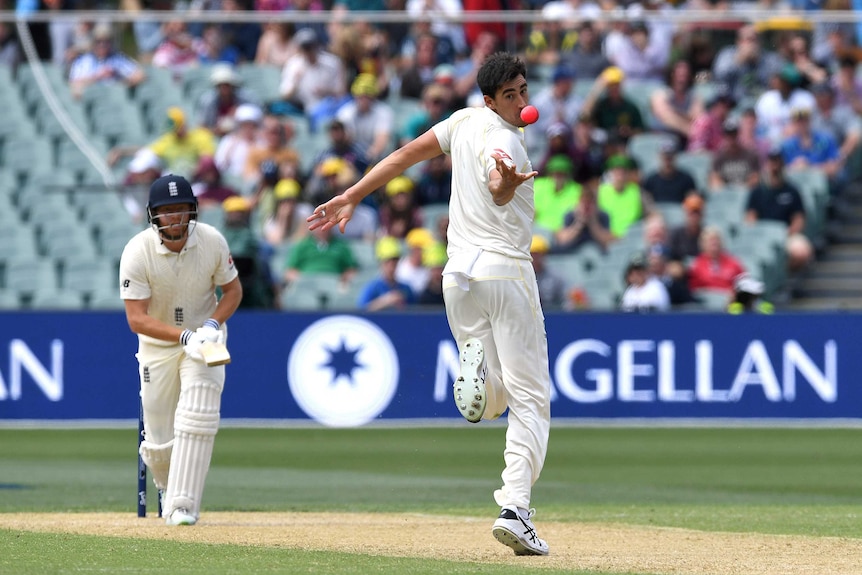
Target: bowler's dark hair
497, 69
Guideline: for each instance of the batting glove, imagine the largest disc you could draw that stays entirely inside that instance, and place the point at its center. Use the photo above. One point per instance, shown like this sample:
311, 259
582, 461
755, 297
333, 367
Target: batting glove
210, 331
193, 346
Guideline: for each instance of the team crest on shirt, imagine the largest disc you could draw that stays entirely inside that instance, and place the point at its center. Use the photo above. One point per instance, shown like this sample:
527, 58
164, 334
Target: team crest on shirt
505, 157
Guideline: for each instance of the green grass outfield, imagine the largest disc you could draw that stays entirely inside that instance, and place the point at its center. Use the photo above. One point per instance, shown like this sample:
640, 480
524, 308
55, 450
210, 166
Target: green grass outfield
777, 481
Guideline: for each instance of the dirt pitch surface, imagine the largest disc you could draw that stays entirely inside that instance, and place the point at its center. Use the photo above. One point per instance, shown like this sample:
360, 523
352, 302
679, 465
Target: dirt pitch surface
587, 546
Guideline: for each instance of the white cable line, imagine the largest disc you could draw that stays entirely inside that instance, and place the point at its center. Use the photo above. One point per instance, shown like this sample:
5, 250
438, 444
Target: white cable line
71, 129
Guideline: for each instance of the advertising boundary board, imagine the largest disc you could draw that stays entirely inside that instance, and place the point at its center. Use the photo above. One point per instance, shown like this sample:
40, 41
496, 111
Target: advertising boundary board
346, 370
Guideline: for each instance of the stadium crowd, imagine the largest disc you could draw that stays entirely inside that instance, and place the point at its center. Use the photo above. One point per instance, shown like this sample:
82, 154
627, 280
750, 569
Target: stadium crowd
647, 127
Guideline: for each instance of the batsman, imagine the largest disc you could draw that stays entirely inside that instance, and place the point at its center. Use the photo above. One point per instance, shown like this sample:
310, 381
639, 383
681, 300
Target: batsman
169, 275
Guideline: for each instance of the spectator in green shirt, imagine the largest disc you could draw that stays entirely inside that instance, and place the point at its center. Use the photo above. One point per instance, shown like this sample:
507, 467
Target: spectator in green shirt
610, 109
321, 252
620, 195
555, 193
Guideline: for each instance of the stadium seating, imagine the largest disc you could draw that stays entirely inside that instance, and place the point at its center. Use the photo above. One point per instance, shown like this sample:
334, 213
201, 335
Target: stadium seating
310, 292
43, 192
55, 300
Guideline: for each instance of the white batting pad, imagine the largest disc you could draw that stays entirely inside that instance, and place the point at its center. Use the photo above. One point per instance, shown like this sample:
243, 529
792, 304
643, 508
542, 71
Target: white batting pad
158, 460
195, 427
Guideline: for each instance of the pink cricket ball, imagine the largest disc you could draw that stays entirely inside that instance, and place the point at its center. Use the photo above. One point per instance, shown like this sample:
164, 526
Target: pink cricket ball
530, 114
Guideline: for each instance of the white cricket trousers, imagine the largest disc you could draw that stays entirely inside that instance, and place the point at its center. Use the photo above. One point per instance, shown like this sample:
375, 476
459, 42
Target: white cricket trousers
181, 398
502, 309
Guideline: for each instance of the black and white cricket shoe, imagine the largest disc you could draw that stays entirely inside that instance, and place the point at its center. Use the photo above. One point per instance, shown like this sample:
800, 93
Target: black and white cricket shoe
469, 388
514, 531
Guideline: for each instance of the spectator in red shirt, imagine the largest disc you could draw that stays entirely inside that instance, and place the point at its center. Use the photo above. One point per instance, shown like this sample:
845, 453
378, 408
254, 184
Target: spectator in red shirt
714, 268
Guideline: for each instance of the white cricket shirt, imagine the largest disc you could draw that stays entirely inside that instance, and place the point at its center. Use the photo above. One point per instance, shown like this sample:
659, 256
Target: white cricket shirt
470, 136
180, 286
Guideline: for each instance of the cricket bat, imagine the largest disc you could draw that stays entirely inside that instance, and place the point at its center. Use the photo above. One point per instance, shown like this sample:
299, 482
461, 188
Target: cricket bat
215, 353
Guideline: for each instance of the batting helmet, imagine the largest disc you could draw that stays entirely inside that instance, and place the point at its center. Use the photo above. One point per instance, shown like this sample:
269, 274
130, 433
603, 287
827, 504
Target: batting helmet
169, 190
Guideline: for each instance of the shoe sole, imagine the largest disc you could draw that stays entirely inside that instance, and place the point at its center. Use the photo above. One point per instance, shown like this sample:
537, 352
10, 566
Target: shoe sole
509, 539
469, 388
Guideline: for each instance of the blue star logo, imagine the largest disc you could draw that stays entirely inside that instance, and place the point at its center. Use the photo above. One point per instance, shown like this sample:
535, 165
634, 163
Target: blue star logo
343, 360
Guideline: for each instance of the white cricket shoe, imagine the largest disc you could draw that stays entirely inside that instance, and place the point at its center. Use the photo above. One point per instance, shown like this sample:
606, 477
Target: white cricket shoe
469, 388
514, 531
181, 516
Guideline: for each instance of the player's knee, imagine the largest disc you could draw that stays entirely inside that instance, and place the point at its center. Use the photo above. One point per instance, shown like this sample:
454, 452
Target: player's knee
198, 409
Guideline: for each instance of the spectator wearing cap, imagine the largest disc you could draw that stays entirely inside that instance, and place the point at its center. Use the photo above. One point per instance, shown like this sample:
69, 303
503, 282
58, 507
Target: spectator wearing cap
341, 145
273, 146
145, 168
620, 195
644, 293
385, 292
557, 103
410, 269
259, 289
747, 296
684, 239
587, 56
217, 106
714, 268
610, 109
369, 121
207, 185
813, 148
774, 198
103, 64
552, 288
638, 54
399, 212
745, 67
733, 165
675, 107
313, 81
668, 184
436, 107
287, 219
585, 223
434, 258
839, 120
331, 177
774, 106
321, 252
707, 130
180, 147
555, 192
232, 150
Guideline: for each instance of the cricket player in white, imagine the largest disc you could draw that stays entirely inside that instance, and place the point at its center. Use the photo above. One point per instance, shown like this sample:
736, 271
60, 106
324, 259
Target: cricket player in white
490, 290
168, 279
